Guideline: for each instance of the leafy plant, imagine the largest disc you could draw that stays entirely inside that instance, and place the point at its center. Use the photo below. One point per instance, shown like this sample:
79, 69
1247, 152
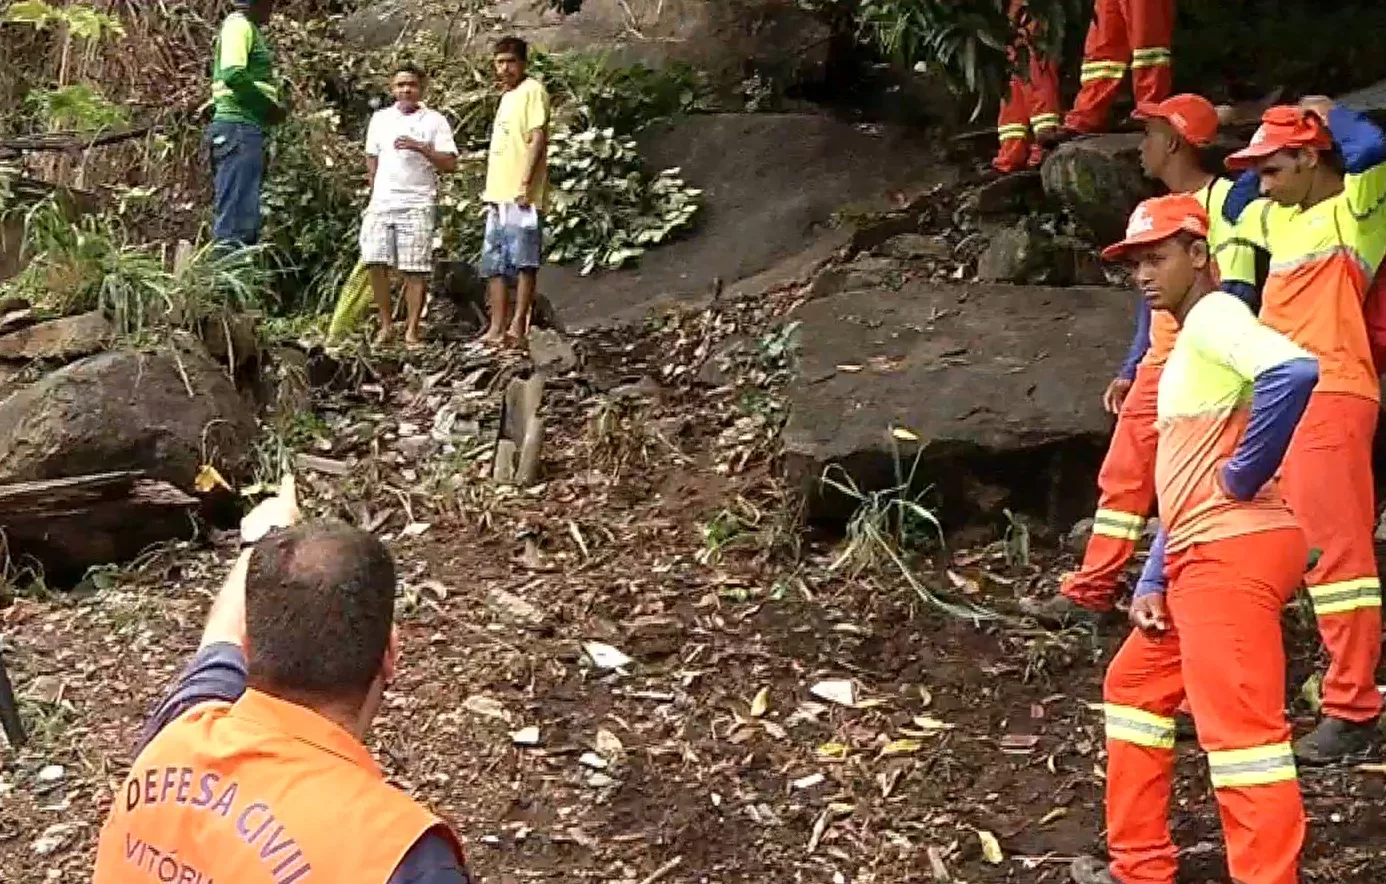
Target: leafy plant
889, 525
78, 107
604, 210
81, 21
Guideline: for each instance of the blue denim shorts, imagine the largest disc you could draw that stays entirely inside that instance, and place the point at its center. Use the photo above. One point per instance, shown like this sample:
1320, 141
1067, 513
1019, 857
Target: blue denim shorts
514, 241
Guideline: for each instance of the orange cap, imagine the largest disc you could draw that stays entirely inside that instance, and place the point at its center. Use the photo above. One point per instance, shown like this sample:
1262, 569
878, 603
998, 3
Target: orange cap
1159, 218
1282, 128
1192, 116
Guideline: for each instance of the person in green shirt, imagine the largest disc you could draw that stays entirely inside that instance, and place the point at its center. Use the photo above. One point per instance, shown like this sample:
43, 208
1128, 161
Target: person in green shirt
247, 102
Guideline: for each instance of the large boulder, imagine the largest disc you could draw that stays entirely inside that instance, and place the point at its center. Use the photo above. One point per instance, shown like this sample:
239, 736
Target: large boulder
159, 413
727, 39
771, 185
59, 339
1099, 179
1001, 384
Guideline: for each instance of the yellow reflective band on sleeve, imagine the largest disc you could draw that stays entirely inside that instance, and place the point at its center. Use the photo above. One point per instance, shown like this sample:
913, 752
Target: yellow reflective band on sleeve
1252, 767
1102, 70
1122, 526
1044, 121
268, 91
1153, 57
1131, 725
1311, 257
1345, 595
1012, 131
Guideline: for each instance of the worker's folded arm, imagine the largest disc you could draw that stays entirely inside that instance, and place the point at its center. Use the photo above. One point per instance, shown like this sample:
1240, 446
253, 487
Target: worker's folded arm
216, 674
1152, 577
1364, 158
1140, 342
1279, 396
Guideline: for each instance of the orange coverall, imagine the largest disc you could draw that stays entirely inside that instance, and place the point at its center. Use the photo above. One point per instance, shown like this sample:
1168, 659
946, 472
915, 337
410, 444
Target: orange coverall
1134, 33
1322, 261
1031, 108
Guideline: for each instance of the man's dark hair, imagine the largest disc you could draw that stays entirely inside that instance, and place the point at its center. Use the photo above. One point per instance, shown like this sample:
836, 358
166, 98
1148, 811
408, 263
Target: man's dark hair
408, 67
319, 605
514, 46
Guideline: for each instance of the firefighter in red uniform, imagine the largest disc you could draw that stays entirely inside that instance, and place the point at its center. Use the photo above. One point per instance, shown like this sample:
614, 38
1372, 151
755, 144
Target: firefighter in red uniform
1124, 34
1030, 112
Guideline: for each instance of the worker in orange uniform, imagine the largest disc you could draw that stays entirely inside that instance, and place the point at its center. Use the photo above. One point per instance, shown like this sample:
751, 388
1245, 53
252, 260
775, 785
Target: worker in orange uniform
1230, 398
1123, 32
1030, 113
253, 769
1324, 170
1176, 130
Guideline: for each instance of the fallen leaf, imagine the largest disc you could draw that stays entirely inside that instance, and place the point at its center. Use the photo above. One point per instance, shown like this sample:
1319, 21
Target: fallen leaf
833, 750
605, 656
808, 782
991, 848
414, 529
940, 871
838, 690
609, 745
929, 723
900, 747
775, 730
526, 736
966, 584
208, 478
593, 760
1057, 813
904, 435
487, 706
761, 703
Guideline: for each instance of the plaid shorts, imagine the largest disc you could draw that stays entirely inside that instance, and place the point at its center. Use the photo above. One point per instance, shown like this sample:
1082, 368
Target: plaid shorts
510, 246
398, 238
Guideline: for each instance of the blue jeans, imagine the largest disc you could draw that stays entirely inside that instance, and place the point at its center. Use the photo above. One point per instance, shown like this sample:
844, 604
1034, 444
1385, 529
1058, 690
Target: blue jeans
238, 167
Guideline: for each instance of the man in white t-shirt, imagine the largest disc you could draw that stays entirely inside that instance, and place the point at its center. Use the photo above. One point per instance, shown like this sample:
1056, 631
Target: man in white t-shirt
407, 145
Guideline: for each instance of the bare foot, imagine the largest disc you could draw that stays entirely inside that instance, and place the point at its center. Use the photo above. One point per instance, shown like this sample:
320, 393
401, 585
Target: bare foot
515, 340
412, 338
383, 336
492, 338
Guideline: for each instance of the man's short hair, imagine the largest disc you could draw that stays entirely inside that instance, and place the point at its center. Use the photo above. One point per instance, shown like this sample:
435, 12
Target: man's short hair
408, 67
513, 46
319, 602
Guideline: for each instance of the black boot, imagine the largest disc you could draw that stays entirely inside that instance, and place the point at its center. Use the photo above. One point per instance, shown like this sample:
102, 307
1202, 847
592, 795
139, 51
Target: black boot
1337, 741
1091, 870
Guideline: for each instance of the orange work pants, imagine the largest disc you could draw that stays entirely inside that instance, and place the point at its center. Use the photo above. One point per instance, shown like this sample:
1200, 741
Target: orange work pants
1031, 108
1123, 32
1327, 481
1126, 494
1225, 653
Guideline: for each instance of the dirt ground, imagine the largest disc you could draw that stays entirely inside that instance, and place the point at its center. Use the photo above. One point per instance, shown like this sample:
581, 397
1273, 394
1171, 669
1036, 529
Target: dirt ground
708, 757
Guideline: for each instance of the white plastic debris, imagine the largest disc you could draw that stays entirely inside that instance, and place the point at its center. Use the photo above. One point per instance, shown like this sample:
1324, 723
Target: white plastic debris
605, 656
593, 760
526, 736
836, 690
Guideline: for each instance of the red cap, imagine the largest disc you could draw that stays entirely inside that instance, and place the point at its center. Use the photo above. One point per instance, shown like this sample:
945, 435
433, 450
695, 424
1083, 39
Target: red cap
1192, 116
1157, 219
1282, 128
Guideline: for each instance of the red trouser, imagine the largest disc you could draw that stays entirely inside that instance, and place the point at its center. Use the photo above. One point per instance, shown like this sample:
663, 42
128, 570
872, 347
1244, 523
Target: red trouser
1225, 654
1327, 480
1126, 494
1123, 31
1032, 106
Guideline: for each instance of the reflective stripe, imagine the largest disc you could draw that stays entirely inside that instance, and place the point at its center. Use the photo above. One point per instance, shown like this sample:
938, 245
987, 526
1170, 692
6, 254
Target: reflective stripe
1252, 767
1044, 121
1102, 70
1151, 57
1131, 725
1345, 595
1012, 131
1323, 255
1122, 526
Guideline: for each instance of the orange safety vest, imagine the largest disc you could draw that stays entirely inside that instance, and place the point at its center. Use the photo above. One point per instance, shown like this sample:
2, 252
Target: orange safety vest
262, 791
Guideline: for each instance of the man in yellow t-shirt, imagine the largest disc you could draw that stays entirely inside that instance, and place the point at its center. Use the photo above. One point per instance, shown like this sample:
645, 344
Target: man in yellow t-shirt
517, 176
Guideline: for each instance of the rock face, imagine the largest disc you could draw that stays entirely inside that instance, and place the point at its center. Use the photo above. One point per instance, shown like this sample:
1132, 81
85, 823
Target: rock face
1099, 179
124, 410
726, 38
59, 339
1002, 384
757, 213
